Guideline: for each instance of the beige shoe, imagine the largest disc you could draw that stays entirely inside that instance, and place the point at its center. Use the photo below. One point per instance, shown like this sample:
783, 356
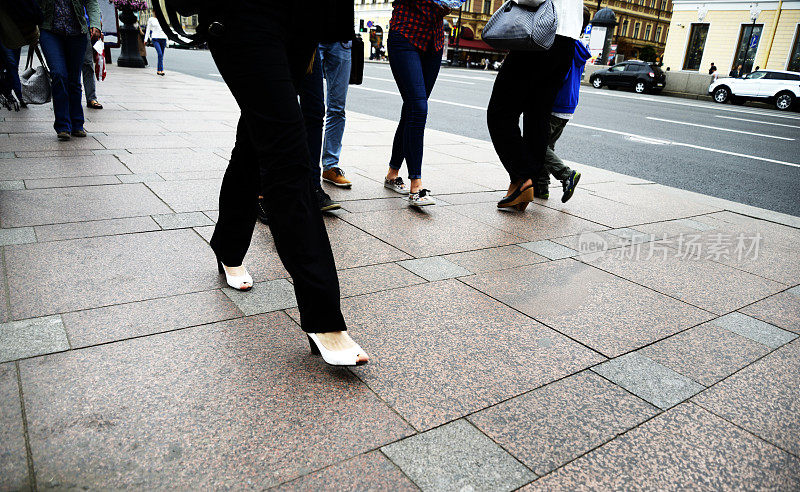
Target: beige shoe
335, 176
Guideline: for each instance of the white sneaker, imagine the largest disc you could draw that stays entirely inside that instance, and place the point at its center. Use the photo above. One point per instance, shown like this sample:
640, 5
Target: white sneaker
396, 184
420, 199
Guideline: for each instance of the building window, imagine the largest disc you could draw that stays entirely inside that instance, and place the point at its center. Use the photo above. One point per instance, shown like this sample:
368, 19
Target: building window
636, 30
487, 6
647, 32
624, 28
697, 42
794, 59
747, 47
658, 34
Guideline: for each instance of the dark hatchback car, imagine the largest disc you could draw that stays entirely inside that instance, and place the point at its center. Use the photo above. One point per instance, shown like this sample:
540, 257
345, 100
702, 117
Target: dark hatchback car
642, 76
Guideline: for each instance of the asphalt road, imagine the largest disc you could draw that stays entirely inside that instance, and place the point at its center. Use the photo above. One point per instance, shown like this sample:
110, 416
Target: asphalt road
746, 154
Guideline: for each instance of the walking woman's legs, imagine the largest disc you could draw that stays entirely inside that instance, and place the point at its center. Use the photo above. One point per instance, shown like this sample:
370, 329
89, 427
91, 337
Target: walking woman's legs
160, 45
75, 50
274, 126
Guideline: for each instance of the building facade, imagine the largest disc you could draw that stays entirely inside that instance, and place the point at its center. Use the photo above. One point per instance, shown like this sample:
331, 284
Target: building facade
639, 23
730, 33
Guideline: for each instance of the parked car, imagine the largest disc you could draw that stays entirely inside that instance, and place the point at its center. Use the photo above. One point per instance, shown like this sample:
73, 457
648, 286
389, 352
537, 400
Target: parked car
777, 87
642, 76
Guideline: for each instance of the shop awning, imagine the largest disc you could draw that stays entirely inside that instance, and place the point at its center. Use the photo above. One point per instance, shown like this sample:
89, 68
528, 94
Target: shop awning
475, 45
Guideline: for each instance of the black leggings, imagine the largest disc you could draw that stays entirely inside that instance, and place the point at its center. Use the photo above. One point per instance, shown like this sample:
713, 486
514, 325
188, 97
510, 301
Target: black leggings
262, 65
527, 84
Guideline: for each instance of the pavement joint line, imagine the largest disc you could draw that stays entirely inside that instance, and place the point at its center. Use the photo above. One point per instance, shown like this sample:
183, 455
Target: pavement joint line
24, 416
718, 128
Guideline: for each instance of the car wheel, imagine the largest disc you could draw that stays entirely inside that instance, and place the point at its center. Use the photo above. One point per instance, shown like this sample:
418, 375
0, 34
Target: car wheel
784, 101
722, 94
597, 82
640, 87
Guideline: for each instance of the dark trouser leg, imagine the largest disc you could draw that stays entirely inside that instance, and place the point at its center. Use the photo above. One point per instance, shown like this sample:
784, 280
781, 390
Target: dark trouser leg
75, 49
523, 155
413, 72
313, 106
259, 76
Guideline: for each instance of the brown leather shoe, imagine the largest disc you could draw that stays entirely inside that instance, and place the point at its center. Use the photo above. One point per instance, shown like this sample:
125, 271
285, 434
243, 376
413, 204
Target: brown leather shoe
79, 133
63, 136
335, 176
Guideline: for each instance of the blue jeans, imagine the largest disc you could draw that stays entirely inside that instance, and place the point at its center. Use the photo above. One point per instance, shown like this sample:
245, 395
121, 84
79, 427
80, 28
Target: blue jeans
64, 55
11, 61
312, 105
415, 73
160, 45
336, 62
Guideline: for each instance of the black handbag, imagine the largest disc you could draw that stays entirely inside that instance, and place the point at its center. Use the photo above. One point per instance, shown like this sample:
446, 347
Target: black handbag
357, 61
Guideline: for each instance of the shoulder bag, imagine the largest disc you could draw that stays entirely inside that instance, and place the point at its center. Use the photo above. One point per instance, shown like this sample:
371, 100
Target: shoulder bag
35, 81
518, 27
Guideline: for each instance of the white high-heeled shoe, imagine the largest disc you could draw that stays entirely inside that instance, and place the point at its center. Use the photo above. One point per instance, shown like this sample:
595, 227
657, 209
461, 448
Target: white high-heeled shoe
346, 357
238, 282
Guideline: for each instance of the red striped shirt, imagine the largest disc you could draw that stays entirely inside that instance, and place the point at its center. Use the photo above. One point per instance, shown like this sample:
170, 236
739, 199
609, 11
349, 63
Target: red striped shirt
420, 21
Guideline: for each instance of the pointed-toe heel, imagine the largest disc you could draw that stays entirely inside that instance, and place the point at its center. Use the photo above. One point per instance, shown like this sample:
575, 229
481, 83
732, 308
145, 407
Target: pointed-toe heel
314, 348
236, 281
346, 357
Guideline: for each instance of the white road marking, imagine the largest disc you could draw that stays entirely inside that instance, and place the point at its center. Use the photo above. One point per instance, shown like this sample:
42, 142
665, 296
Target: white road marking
455, 75
699, 147
454, 81
214, 75
617, 132
757, 121
668, 100
718, 128
378, 78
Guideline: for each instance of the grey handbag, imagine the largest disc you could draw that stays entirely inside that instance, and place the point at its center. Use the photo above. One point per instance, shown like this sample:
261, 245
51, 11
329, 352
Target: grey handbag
35, 81
514, 27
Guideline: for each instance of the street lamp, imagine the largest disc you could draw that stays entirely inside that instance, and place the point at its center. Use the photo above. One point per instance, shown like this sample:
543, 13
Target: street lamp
458, 34
754, 13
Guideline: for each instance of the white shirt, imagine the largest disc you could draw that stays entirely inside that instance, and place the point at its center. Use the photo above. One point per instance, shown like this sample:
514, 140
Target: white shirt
570, 17
154, 30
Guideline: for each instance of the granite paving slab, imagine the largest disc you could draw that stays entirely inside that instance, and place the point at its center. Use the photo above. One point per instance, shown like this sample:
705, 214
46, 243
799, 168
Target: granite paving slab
457, 456
60, 167
371, 471
706, 353
122, 321
668, 200
182, 221
21, 142
188, 175
13, 184
375, 278
706, 284
429, 232
33, 184
488, 175
18, 235
194, 195
236, 404
60, 205
262, 260
172, 161
607, 212
592, 242
151, 142
549, 249
604, 312
491, 259
264, 297
466, 198
95, 228
374, 204
139, 178
553, 425
107, 270
535, 224
353, 247
31, 337
685, 448
434, 268
649, 380
782, 310
763, 398
13, 460
755, 329
419, 336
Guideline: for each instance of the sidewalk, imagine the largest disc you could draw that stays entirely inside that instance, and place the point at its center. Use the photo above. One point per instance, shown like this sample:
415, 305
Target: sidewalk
637, 337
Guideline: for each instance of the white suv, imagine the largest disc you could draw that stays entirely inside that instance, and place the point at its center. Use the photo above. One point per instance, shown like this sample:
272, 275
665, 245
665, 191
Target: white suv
778, 87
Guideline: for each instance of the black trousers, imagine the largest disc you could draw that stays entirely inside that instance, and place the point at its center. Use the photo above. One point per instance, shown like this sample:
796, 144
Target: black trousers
527, 85
263, 68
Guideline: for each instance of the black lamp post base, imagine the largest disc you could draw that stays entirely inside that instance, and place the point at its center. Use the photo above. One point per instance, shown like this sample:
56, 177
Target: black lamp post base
129, 39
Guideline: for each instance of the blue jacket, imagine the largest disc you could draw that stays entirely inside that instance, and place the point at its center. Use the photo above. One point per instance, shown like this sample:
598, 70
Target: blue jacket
567, 98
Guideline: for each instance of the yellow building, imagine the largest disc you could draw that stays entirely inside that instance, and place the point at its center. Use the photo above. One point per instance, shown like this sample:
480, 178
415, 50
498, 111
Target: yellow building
734, 32
640, 23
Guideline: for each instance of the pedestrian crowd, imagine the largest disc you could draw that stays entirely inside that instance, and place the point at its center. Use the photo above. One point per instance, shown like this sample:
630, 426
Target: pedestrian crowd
292, 93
